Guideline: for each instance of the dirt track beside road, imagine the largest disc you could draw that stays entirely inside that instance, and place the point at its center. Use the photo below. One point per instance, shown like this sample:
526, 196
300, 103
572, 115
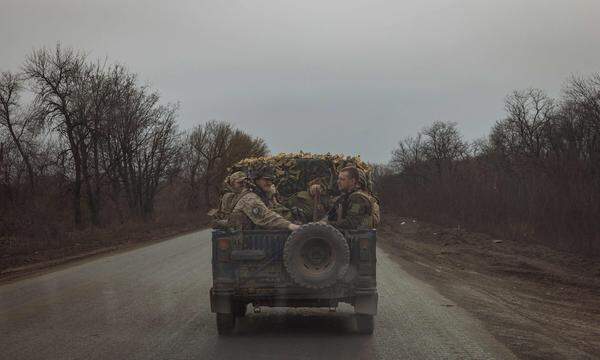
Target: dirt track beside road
541, 303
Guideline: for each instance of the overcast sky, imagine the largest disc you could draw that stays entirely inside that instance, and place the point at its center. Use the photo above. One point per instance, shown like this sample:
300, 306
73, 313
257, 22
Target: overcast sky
344, 76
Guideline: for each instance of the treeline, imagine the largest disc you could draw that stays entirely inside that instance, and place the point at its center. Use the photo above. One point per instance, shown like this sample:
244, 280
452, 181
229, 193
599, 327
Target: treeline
535, 178
83, 144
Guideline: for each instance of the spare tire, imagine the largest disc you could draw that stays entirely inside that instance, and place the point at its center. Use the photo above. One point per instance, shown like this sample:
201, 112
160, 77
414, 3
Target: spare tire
316, 255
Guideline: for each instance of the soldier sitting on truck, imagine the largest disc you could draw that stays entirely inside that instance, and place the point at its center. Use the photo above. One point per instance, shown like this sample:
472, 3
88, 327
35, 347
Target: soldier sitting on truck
311, 204
355, 208
253, 206
232, 187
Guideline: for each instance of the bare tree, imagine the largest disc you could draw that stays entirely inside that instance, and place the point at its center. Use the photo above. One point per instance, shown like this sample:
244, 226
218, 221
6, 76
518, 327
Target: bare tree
479, 147
156, 157
409, 153
443, 144
16, 121
90, 107
138, 141
581, 118
210, 142
54, 77
212, 148
127, 109
523, 132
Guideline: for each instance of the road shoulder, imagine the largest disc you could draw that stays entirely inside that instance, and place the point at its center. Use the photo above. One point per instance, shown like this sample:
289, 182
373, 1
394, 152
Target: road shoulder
542, 304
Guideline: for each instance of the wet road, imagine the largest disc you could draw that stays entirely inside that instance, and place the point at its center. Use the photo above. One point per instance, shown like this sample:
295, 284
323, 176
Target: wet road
152, 303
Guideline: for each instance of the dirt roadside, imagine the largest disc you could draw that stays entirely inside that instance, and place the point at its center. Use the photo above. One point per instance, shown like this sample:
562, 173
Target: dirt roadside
541, 303
91, 244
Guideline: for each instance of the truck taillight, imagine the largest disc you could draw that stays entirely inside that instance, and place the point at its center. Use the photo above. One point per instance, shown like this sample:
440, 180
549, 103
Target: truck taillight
364, 244
223, 244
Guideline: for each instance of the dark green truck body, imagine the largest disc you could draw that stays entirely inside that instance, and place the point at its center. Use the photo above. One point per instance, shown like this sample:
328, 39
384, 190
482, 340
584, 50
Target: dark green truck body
248, 268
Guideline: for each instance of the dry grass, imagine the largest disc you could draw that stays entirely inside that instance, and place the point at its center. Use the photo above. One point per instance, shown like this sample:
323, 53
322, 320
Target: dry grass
19, 251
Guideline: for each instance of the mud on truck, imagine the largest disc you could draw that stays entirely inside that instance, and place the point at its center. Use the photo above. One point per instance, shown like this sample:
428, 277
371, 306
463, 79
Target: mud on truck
314, 266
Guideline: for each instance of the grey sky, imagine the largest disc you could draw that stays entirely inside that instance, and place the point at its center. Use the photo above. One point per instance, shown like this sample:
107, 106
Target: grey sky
340, 75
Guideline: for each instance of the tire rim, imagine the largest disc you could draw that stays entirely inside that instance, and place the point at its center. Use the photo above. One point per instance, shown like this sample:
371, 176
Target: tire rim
316, 256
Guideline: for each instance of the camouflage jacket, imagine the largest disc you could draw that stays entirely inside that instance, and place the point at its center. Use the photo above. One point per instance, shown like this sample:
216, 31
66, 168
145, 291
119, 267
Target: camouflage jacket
228, 201
352, 210
310, 210
250, 211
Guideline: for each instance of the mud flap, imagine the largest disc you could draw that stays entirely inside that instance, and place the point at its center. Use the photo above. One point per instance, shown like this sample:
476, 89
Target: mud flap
220, 302
366, 304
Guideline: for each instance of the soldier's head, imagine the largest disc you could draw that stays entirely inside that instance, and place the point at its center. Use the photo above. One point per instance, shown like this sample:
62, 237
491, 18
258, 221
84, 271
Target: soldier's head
348, 179
316, 187
263, 178
237, 180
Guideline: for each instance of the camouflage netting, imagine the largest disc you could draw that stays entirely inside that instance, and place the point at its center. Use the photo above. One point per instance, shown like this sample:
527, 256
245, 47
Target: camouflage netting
295, 171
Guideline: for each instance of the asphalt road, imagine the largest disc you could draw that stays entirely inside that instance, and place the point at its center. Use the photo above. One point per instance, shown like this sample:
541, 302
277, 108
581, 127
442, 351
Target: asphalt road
152, 303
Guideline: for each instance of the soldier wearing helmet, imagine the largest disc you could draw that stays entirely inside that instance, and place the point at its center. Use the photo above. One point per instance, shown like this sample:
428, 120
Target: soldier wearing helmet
235, 184
253, 208
232, 187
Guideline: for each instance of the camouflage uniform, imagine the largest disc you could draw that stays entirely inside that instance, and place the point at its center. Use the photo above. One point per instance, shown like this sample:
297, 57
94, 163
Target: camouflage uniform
305, 203
250, 212
227, 203
352, 210
309, 207
228, 200
274, 204
271, 197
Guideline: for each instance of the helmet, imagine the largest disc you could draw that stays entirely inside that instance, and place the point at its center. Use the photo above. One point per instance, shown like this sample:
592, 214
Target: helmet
237, 176
264, 172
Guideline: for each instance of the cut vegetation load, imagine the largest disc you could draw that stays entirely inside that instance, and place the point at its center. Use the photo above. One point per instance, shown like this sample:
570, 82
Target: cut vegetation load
296, 171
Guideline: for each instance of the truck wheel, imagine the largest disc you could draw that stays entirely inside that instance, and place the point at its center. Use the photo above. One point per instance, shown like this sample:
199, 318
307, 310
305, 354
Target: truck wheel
239, 309
364, 323
316, 255
225, 323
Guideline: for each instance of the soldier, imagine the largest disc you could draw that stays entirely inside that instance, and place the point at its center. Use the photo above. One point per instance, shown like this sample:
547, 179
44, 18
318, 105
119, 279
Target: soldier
235, 184
355, 208
311, 204
232, 187
252, 208
263, 179
321, 200
264, 187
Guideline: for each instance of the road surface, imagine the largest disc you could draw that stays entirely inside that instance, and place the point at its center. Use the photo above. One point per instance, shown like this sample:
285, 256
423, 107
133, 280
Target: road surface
152, 303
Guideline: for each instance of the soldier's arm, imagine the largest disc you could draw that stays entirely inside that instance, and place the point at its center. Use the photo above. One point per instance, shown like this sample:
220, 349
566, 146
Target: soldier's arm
331, 208
358, 215
225, 205
260, 214
225, 199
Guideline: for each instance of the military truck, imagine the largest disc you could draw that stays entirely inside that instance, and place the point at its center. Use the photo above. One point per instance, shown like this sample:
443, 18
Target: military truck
315, 266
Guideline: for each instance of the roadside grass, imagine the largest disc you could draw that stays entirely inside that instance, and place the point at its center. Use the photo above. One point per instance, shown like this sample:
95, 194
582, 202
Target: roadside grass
19, 254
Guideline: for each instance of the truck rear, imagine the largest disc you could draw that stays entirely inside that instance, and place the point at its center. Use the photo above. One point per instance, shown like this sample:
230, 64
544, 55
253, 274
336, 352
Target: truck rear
315, 266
